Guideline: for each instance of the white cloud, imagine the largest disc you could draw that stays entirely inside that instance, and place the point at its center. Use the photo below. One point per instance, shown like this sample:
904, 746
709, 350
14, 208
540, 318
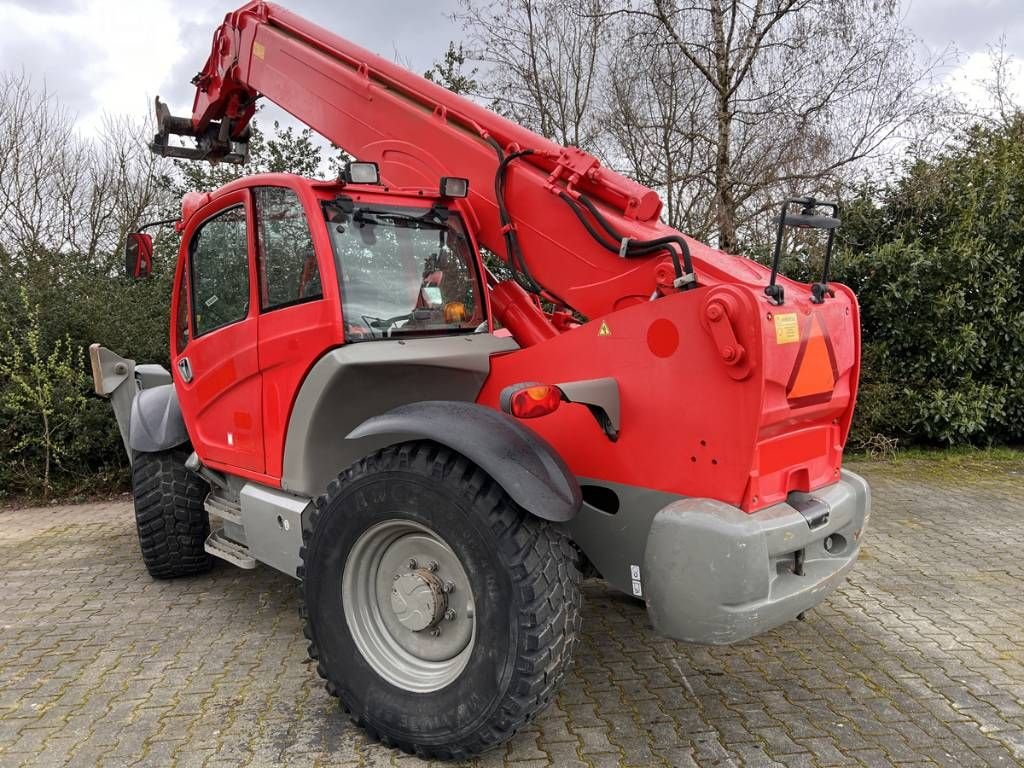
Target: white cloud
98, 57
113, 56
968, 80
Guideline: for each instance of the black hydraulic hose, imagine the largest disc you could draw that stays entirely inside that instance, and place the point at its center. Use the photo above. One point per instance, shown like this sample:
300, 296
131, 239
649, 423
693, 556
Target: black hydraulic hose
640, 247
514, 253
635, 248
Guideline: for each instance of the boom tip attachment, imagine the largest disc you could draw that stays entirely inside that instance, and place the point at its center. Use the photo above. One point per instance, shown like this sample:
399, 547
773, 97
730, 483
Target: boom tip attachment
213, 144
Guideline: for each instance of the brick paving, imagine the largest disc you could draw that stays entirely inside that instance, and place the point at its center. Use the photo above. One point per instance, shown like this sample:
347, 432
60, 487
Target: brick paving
918, 660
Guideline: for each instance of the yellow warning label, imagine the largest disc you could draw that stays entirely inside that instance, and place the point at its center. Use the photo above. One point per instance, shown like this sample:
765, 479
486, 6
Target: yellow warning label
604, 330
787, 329
258, 50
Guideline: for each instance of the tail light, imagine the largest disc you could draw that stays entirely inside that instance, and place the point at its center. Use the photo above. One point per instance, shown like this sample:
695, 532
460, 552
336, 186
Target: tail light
528, 401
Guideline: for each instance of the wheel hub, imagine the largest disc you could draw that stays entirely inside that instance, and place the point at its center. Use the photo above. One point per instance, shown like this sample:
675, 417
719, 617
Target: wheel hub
409, 605
418, 600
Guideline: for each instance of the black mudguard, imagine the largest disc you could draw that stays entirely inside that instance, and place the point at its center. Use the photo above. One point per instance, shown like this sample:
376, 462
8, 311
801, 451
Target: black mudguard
156, 421
519, 460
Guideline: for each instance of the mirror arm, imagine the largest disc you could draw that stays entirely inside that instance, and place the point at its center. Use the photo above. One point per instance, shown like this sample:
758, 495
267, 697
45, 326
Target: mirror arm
776, 293
161, 222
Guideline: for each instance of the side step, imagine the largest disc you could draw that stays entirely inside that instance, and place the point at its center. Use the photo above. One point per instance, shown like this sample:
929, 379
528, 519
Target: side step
219, 545
227, 510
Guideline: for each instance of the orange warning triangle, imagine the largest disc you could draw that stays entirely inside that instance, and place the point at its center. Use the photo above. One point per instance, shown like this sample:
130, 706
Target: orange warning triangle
814, 372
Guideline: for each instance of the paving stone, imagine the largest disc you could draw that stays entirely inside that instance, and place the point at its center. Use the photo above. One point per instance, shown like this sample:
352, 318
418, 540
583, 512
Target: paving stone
917, 660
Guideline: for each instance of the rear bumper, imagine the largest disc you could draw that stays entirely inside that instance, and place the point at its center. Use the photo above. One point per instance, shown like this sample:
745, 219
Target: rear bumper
714, 574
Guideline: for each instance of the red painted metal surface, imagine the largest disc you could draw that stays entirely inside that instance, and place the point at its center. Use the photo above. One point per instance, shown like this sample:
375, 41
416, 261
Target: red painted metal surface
723, 394
222, 402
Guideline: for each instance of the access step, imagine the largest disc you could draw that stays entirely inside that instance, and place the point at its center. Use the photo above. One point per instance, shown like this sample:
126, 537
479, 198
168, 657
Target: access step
224, 508
219, 545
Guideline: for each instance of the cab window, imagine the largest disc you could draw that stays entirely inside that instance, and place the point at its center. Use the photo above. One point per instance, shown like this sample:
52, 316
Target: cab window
285, 257
220, 272
404, 272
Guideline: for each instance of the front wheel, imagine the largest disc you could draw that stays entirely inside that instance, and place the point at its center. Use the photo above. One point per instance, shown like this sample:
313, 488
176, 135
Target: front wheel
169, 514
442, 615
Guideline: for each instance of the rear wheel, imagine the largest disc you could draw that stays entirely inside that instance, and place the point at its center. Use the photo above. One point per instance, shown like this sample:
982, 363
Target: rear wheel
169, 514
441, 614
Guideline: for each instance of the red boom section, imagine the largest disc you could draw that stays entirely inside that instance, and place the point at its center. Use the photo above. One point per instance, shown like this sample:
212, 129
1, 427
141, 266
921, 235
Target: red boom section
418, 131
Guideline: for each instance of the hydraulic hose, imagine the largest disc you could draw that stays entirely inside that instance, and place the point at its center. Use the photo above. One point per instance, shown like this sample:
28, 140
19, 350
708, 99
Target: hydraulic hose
638, 247
513, 252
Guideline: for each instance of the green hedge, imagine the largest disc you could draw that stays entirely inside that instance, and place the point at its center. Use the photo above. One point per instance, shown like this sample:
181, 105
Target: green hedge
937, 263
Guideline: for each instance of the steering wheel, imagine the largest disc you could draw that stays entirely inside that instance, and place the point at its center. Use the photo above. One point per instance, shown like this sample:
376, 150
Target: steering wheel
383, 324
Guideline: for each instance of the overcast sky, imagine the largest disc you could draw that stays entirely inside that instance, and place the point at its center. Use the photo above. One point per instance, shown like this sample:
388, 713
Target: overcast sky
115, 55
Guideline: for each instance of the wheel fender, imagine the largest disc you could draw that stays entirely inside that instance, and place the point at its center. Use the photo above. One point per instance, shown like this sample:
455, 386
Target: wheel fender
518, 459
156, 421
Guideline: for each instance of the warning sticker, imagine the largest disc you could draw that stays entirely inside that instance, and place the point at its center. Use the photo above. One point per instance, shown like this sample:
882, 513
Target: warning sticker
259, 51
634, 573
787, 329
604, 330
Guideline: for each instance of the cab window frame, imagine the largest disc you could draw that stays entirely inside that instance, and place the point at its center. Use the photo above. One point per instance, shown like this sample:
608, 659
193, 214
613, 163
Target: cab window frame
183, 332
474, 262
260, 256
196, 235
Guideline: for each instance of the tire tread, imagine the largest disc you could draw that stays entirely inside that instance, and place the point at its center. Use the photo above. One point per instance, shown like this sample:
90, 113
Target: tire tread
170, 514
543, 566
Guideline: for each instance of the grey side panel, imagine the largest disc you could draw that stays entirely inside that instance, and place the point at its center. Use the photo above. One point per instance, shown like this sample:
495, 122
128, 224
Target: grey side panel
156, 422
518, 459
113, 378
273, 526
357, 381
120, 379
615, 543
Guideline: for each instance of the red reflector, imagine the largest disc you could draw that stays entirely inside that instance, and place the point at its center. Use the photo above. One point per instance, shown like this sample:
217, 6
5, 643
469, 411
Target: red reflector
538, 400
815, 372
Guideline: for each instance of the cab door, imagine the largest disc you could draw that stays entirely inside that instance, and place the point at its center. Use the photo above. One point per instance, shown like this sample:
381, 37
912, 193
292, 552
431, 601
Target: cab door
216, 366
299, 317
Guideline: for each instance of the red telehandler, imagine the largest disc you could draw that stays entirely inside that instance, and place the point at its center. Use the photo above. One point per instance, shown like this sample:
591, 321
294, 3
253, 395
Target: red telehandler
436, 453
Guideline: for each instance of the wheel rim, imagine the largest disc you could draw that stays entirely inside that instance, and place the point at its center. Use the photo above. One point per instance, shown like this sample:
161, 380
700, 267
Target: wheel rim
409, 605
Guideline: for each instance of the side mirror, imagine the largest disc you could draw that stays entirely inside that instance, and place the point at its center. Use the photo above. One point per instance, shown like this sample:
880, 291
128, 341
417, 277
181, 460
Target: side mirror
138, 255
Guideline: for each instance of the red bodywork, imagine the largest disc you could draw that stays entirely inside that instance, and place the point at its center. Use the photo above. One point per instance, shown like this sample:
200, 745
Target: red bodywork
723, 394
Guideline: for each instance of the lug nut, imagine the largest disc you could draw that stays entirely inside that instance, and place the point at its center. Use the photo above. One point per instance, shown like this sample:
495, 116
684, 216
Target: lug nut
433, 566
435, 632
397, 576
448, 587
412, 563
828, 543
450, 614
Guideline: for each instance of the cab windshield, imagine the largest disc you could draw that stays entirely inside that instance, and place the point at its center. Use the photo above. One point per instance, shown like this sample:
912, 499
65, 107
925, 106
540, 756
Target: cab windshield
404, 272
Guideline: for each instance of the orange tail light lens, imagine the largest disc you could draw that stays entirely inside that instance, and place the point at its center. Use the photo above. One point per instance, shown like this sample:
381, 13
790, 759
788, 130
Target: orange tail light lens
534, 400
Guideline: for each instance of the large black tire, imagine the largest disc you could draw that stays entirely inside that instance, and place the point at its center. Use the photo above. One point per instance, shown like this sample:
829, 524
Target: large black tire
523, 576
169, 514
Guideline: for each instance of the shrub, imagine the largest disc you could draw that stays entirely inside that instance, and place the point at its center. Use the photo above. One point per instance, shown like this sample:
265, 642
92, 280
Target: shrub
937, 267
42, 402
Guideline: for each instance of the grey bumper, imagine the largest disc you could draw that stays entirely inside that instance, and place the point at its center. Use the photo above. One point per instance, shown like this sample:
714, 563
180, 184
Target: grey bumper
714, 574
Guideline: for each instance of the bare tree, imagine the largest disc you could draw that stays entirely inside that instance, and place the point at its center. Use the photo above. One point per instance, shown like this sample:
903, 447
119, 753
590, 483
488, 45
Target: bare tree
999, 84
723, 106
61, 193
543, 65
656, 115
801, 90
